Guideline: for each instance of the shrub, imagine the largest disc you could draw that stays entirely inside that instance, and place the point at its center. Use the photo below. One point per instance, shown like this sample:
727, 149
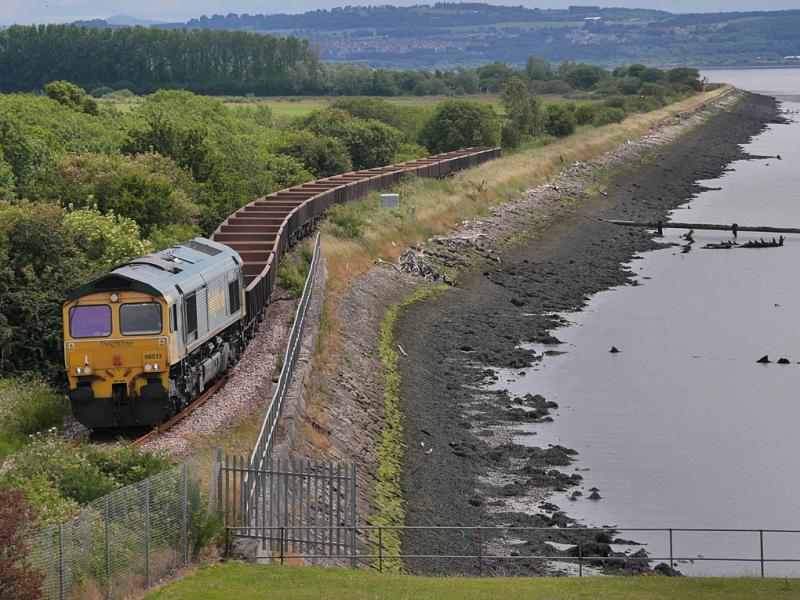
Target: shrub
369, 142
323, 156
57, 479
558, 120
346, 221
71, 96
27, 407
616, 101
460, 124
293, 272
206, 528
609, 115
629, 85
18, 581
510, 136
584, 113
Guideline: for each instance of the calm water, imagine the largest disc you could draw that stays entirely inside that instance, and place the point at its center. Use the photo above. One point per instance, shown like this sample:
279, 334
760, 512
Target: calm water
683, 428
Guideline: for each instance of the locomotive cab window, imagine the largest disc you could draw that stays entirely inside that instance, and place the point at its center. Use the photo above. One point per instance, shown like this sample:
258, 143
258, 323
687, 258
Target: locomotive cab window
190, 315
140, 318
233, 294
90, 321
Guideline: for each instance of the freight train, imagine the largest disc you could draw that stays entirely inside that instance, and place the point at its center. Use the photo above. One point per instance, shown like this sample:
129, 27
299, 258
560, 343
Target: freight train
145, 340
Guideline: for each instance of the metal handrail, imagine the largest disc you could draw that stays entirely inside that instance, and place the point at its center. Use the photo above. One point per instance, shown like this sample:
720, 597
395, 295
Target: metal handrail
266, 436
580, 532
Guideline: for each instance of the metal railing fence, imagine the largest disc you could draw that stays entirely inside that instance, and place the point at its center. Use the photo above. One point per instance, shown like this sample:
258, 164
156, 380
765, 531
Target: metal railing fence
487, 547
266, 437
123, 542
313, 500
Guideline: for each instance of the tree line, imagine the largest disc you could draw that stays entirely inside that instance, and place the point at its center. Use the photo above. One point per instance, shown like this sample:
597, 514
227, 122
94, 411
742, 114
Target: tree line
218, 62
146, 59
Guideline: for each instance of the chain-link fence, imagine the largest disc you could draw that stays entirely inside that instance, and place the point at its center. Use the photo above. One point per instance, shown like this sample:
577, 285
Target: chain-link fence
121, 543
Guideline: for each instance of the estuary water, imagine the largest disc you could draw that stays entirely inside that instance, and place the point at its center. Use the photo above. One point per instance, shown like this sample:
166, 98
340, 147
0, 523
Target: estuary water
683, 428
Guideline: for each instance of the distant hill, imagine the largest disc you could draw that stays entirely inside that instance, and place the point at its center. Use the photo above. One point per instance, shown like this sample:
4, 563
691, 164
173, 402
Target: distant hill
129, 21
445, 35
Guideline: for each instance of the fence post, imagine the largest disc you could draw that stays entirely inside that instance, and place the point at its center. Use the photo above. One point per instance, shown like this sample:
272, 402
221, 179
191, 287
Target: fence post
185, 530
219, 479
380, 548
283, 537
761, 543
61, 561
671, 561
480, 551
147, 533
353, 516
108, 556
580, 554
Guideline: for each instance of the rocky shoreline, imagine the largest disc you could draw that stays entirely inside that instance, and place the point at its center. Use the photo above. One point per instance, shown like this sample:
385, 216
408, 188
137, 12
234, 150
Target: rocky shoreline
538, 256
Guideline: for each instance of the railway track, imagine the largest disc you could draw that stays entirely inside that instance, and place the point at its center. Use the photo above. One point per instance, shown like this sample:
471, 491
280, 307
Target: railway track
153, 433
263, 230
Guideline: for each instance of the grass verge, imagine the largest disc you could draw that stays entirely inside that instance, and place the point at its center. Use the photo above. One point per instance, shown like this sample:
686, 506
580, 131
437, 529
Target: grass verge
388, 499
245, 581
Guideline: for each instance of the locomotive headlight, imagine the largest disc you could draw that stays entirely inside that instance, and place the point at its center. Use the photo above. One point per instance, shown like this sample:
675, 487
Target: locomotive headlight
114, 297
87, 370
79, 371
148, 367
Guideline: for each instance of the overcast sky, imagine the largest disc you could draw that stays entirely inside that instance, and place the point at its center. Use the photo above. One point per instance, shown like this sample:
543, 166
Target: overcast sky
39, 11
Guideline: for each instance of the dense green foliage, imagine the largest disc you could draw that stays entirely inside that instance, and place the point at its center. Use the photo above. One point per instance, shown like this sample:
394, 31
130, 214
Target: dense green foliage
27, 407
57, 479
145, 60
460, 124
369, 142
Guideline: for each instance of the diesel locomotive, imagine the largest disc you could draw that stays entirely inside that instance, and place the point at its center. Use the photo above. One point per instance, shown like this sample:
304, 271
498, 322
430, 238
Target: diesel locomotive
147, 338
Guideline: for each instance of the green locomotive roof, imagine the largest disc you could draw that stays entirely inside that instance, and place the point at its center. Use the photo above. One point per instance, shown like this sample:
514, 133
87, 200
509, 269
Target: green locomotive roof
177, 270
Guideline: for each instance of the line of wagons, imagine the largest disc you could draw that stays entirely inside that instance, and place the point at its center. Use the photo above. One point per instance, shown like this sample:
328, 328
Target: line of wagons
145, 340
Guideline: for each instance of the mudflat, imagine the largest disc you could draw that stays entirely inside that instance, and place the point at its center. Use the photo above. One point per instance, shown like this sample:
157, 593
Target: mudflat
461, 466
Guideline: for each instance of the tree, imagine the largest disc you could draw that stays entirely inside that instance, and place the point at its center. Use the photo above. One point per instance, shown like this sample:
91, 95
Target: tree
188, 146
322, 156
583, 76
18, 581
150, 189
685, 76
460, 124
71, 96
558, 120
522, 106
369, 142
494, 77
538, 69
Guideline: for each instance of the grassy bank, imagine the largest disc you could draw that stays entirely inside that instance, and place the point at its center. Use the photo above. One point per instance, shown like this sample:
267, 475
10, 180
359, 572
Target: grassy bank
244, 581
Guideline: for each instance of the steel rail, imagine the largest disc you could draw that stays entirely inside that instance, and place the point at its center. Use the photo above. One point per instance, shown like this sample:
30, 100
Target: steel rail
167, 425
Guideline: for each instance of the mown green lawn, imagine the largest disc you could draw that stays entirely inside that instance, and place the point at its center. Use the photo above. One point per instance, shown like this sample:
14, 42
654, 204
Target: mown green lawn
241, 581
